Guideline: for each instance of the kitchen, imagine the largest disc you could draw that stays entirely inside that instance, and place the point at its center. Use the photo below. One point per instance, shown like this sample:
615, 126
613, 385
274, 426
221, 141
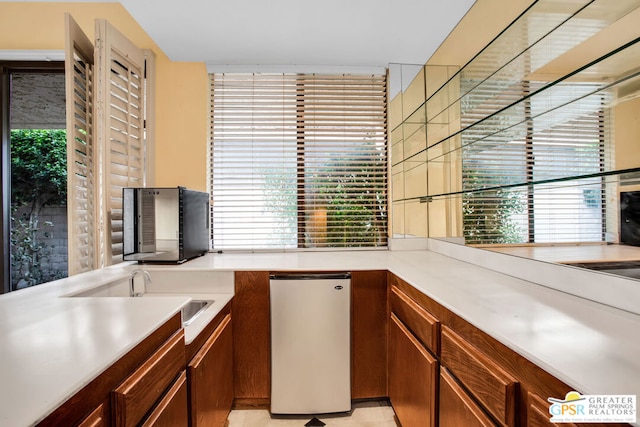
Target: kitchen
417, 267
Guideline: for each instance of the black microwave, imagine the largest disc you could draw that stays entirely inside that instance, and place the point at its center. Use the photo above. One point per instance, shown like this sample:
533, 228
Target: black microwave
164, 225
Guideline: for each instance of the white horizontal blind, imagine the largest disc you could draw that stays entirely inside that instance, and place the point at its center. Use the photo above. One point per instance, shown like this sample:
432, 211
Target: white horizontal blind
538, 180
298, 161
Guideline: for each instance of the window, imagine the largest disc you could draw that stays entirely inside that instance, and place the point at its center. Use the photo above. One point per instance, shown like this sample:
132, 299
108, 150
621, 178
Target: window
109, 133
298, 161
110, 126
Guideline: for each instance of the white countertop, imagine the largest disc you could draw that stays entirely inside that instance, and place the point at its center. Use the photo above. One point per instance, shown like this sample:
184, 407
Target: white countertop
52, 346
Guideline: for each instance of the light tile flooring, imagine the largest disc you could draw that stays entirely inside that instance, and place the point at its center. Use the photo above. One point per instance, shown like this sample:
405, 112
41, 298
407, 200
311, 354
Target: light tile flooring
364, 414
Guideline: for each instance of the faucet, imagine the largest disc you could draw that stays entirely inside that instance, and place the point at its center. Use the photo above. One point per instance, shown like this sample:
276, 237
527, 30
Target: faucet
147, 278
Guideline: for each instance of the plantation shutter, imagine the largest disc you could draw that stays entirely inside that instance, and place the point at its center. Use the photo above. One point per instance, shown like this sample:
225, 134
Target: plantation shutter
298, 161
79, 76
121, 90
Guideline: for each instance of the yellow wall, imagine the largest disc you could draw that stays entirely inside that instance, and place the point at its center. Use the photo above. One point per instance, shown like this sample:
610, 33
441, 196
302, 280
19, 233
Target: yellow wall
182, 125
181, 88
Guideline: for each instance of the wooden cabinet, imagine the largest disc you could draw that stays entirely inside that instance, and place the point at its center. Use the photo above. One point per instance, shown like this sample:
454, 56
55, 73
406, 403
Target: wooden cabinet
211, 378
490, 384
92, 405
482, 381
252, 346
457, 408
251, 339
140, 391
369, 325
413, 367
171, 411
413, 373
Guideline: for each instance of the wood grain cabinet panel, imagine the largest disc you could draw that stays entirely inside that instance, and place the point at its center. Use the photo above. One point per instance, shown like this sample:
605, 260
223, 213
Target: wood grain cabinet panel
490, 384
251, 339
538, 412
418, 320
369, 323
457, 408
413, 373
133, 399
96, 418
211, 378
171, 411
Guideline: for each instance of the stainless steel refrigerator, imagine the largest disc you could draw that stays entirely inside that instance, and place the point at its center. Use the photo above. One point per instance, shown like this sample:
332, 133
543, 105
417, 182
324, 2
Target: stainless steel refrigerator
310, 343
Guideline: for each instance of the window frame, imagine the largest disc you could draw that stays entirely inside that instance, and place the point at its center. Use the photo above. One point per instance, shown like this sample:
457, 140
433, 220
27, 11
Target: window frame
301, 127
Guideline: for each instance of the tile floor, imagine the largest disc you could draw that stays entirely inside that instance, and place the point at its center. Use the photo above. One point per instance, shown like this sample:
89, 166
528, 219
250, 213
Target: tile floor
364, 414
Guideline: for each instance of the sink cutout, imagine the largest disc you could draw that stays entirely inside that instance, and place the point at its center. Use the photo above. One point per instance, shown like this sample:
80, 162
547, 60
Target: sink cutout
193, 309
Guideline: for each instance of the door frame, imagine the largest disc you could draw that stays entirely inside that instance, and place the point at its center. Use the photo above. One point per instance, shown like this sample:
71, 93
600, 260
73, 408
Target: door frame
16, 62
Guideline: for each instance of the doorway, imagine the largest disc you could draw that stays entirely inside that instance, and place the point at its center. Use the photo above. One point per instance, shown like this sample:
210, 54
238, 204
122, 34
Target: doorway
34, 171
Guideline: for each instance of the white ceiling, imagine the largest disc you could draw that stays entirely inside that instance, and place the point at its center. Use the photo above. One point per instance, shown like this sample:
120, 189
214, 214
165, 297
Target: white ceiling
352, 33
337, 33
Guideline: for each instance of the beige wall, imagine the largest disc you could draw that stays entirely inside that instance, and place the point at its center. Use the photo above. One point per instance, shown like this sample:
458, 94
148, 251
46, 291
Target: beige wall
478, 27
181, 88
627, 134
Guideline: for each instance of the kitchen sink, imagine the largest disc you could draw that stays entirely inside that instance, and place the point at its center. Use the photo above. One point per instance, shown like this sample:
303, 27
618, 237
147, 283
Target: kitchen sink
193, 309
121, 289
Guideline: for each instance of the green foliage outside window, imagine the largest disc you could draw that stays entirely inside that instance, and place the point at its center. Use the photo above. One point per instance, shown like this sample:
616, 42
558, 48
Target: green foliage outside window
38, 179
488, 216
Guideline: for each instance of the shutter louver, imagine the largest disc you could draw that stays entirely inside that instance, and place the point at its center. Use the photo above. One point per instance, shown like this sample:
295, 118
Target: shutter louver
79, 66
122, 130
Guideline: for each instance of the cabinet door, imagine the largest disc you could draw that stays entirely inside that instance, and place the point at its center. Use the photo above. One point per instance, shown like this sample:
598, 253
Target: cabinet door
457, 408
491, 385
211, 378
172, 410
412, 378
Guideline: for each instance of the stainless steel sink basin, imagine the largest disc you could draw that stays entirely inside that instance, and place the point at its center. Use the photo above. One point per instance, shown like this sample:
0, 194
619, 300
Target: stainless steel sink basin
193, 309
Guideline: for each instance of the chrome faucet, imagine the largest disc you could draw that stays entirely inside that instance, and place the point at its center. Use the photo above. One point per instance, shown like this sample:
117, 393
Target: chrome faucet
147, 278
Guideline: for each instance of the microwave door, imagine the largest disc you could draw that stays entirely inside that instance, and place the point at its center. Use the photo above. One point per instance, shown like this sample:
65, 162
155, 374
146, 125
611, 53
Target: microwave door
147, 222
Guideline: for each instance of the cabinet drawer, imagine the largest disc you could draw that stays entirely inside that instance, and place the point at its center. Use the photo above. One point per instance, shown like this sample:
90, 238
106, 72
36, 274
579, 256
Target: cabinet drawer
139, 392
95, 419
172, 410
538, 412
490, 384
457, 408
419, 321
